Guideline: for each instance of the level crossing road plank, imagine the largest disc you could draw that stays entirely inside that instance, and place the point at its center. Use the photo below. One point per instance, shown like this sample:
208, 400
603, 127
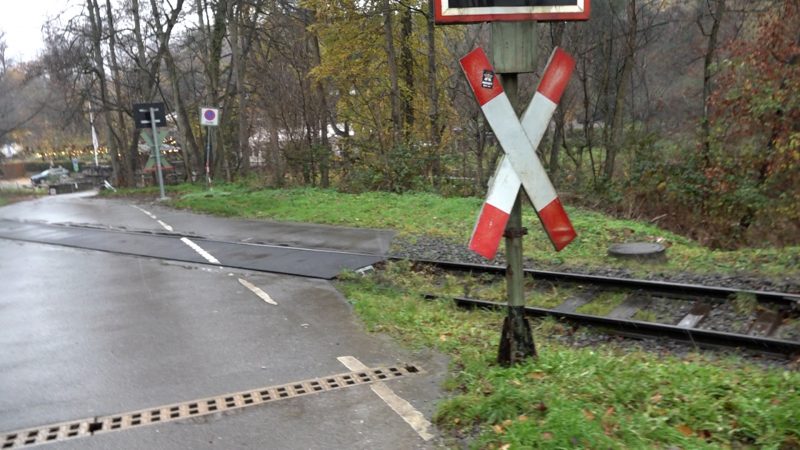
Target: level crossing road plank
267, 258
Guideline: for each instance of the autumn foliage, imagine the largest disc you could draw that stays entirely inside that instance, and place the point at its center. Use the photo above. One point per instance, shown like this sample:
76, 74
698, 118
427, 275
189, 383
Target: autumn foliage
752, 179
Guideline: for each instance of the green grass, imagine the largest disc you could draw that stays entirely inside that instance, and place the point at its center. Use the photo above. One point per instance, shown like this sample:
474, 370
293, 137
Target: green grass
545, 298
418, 214
602, 304
11, 195
602, 397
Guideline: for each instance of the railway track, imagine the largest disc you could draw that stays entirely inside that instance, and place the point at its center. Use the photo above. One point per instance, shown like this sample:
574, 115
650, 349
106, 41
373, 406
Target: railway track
702, 316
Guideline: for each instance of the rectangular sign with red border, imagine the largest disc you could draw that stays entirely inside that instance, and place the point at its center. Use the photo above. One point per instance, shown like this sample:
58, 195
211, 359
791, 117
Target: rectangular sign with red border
472, 11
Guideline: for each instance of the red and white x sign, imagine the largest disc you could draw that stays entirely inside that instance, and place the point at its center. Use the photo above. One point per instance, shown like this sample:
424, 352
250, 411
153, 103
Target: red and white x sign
519, 139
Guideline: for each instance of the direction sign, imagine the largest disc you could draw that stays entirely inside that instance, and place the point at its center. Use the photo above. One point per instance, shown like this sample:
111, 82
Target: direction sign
471, 11
517, 140
209, 117
141, 115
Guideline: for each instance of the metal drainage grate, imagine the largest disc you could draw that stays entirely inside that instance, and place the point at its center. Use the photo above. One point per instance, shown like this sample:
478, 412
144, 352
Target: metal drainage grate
212, 405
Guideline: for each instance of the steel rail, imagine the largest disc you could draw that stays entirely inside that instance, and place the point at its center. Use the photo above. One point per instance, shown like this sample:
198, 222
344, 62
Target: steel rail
641, 329
783, 299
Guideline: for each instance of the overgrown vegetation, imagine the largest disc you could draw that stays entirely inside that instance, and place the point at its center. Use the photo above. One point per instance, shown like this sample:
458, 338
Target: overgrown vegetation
600, 397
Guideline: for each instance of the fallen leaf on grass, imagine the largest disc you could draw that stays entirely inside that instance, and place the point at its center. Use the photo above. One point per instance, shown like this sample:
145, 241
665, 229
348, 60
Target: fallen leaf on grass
498, 429
522, 418
656, 398
685, 430
548, 436
607, 421
588, 414
536, 375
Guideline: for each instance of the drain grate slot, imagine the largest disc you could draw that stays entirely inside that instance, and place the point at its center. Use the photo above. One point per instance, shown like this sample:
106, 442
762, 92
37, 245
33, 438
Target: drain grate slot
49, 433
194, 408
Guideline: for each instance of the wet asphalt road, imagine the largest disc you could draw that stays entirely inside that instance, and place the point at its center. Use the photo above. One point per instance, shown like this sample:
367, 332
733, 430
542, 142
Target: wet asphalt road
87, 333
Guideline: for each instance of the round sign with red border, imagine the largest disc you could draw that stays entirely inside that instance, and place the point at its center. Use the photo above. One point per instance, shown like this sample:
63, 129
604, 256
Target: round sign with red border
209, 117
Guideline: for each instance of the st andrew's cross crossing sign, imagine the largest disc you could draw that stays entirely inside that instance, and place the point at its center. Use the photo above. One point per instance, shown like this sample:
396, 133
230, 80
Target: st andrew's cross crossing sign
519, 140
472, 11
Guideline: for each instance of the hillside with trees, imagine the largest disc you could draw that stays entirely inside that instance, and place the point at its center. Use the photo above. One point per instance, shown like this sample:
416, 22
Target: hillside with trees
686, 114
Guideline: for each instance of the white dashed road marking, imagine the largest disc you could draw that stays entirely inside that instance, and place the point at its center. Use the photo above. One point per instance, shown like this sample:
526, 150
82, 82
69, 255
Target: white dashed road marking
407, 411
166, 227
200, 251
186, 241
257, 290
149, 214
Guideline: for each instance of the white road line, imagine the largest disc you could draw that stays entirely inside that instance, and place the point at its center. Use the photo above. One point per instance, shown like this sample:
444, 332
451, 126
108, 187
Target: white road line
406, 410
151, 215
166, 227
257, 290
200, 250
186, 241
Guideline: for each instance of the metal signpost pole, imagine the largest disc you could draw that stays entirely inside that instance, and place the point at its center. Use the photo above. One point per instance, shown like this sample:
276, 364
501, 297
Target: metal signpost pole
209, 117
514, 52
157, 149
208, 157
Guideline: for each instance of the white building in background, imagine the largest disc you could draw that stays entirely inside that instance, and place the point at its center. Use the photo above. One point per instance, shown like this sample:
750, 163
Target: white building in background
261, 138
10, 150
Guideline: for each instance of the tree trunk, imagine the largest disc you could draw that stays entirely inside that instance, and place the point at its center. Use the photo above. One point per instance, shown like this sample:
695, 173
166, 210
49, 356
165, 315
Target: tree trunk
433, 92
190, 148
212, 37
99, 70
557, 35
616, 131
391, 60
126, 166
237, 63
407, 63
708, 59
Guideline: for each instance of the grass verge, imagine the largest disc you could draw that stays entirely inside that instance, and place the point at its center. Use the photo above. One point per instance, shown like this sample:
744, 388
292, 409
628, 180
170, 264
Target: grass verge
600, 397
425, 214
10, 195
